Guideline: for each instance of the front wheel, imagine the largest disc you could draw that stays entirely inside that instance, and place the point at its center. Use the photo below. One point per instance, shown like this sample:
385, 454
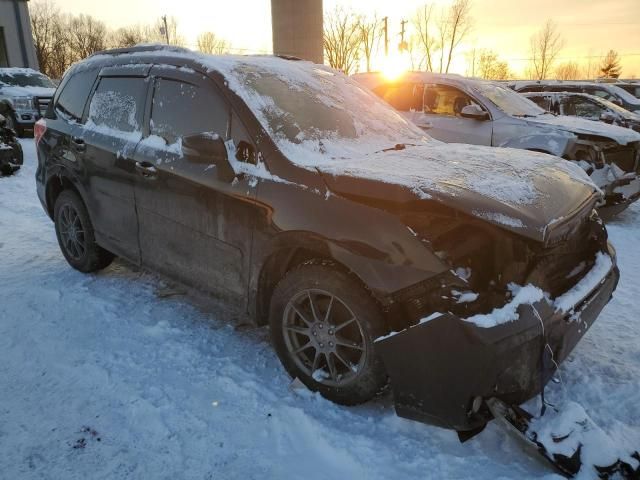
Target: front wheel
323, 326
76, 235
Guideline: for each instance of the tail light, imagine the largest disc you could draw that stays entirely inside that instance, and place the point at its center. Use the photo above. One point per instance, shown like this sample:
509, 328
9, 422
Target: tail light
39, 129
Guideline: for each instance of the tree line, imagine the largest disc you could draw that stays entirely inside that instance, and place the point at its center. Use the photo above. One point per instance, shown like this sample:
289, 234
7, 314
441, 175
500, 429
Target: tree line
437, 33
431, 38
60, 39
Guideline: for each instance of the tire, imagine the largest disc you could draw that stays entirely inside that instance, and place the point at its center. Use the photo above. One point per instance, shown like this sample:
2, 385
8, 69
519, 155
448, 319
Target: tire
13, 124
78, 245
345, 337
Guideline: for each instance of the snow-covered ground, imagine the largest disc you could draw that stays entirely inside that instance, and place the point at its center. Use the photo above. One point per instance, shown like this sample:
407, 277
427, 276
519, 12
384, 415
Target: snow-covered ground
102, 376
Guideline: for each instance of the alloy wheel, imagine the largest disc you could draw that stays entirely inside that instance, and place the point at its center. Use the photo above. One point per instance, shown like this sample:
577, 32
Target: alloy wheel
324, 337
72, 232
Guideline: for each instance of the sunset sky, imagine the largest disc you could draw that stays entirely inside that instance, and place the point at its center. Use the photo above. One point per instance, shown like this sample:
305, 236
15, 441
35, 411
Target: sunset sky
590, 27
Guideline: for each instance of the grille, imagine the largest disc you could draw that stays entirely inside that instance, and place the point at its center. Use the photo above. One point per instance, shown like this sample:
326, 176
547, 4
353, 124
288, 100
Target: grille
41, 104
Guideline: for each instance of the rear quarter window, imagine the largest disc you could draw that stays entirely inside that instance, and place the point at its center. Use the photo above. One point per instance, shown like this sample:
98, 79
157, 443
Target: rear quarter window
74, 93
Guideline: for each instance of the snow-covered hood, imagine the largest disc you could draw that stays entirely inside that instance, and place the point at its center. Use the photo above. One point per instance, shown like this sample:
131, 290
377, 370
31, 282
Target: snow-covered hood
588, 127
524, 192
15, 91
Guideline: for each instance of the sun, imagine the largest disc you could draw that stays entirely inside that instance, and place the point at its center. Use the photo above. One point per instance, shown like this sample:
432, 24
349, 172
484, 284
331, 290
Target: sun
394, 66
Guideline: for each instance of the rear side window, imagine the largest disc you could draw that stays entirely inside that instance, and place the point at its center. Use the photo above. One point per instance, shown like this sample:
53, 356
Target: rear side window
582, 107
542, 102
405, 97
180, 109
118, 103
73, 96
600, 93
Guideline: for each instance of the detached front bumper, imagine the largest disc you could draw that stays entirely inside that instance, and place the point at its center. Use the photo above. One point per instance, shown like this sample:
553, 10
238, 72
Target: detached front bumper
437, 368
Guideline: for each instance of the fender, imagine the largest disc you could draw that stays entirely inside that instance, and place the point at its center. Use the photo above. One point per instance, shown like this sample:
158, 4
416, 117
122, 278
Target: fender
542, 141
63, 175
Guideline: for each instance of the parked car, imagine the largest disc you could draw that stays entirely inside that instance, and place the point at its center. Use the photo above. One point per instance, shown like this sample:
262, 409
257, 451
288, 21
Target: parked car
608, 91
456, 109
585, 106
26, 93
305, 202
11, 156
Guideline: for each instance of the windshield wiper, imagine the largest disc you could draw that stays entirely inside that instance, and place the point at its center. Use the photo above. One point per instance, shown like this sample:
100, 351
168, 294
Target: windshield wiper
398, 147
524, 115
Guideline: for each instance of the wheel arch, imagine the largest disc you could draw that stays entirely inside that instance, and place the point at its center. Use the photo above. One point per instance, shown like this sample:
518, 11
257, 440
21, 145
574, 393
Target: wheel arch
57, 182
288, 254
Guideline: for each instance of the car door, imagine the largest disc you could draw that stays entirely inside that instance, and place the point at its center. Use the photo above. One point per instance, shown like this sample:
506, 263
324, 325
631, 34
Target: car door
441, 116
108, 139
193, 225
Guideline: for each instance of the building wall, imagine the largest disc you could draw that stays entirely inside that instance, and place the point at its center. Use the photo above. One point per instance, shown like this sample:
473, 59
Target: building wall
297, 28
18, 39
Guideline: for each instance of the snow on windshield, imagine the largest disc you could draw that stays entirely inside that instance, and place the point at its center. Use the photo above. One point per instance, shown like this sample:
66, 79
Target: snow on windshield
507, 100
25, 78
312, 112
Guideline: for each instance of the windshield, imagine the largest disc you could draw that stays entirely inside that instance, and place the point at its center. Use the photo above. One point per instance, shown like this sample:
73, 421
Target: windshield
25, 79
507, 100
314, 113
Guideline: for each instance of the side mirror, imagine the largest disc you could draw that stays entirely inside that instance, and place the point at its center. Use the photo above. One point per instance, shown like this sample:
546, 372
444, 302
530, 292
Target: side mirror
3, 121
607, 117
474, 112
208, 148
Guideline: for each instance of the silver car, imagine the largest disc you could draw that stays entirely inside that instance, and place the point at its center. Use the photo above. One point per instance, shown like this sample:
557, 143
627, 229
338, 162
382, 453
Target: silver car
456, 109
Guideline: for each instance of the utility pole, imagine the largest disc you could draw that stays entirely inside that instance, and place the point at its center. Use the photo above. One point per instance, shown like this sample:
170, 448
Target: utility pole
166, 30
386, 37
403, 45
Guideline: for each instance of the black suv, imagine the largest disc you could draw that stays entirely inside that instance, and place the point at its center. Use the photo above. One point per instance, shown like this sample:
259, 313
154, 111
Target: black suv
302, 200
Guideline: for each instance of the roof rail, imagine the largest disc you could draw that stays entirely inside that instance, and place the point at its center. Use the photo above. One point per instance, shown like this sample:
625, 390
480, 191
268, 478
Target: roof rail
151, 47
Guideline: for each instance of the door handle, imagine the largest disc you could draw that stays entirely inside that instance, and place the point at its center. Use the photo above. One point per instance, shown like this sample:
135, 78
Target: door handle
78, 144
146, 169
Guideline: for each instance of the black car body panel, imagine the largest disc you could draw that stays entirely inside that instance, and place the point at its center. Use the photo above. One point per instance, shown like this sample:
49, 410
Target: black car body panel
181, 214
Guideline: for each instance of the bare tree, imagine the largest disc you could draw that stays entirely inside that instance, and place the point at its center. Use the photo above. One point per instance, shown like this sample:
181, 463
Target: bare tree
421, 21
61, 55
370, 34
209, 43
545, 47
44, 14
490, 67
610, 66
127, 36
86, 35
568, 71
342, 40
458, 25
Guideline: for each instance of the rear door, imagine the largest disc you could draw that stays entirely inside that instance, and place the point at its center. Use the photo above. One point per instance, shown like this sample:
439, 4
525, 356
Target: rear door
109, 137
193, 226
441, 117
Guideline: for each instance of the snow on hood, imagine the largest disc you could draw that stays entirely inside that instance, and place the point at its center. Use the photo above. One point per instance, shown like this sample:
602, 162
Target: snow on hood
517, 190
15, 91
588, 127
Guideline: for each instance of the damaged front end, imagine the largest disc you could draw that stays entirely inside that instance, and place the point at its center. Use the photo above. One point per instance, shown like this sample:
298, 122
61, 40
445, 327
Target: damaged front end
613, 167
511, 309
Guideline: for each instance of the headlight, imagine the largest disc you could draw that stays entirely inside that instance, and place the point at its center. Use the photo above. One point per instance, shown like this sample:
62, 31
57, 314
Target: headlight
22, 103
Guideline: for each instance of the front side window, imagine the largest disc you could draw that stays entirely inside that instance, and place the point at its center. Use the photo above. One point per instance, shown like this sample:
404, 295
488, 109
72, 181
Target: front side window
181, 109
118, 103
72, 99
445, 100
582, 107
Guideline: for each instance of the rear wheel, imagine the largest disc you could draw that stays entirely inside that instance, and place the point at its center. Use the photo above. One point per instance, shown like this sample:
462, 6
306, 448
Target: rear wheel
323, 325
76, 235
